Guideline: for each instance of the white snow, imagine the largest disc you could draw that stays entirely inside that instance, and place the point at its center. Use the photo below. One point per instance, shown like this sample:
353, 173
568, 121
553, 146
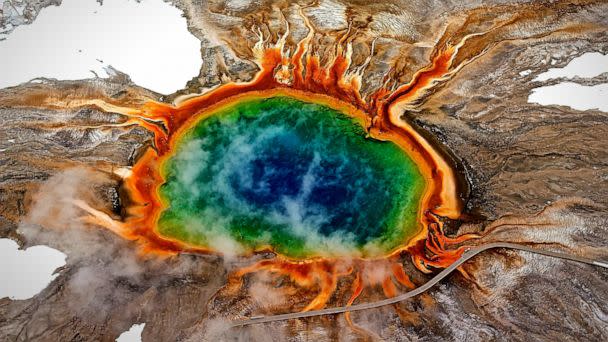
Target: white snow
133, 334
525, 72
24, 273
587, 65
573, 95
149, 41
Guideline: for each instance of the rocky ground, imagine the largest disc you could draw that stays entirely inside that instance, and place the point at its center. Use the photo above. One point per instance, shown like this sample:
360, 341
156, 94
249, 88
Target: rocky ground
536, 174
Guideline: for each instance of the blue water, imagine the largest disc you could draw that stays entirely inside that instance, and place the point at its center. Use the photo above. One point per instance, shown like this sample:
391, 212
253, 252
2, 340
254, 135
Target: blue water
298, 176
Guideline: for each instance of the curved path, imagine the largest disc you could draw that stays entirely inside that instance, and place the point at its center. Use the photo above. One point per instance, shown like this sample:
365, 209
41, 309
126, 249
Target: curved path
466, 256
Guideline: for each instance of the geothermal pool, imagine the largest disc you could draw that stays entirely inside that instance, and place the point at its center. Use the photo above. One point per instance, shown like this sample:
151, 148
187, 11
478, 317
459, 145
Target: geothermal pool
299, 178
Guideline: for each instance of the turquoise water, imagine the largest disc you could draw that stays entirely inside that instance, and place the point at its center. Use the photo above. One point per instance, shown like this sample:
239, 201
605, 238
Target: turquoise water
300, 177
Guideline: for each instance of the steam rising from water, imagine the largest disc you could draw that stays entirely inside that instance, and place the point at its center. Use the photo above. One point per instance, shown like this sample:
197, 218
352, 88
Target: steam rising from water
291, 175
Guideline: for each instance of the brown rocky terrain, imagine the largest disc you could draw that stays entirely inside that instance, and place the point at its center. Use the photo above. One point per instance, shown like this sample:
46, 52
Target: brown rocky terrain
536, 175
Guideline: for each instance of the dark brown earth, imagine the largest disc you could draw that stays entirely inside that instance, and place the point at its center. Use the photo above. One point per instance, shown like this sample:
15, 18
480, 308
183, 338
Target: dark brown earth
537, 174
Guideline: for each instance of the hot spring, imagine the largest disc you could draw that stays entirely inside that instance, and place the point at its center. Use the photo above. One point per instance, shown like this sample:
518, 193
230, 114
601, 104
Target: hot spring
299, 178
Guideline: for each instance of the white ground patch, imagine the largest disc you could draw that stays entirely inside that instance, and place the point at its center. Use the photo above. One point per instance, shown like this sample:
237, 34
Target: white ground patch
149, 41
525, 72
572, 94
133, 334
24, 273
587, 65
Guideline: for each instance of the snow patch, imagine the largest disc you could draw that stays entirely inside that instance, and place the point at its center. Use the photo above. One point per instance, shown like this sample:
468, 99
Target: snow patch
147, 40
24, 273
587, 65
574, 95
133, 334
571, 94
525, 73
